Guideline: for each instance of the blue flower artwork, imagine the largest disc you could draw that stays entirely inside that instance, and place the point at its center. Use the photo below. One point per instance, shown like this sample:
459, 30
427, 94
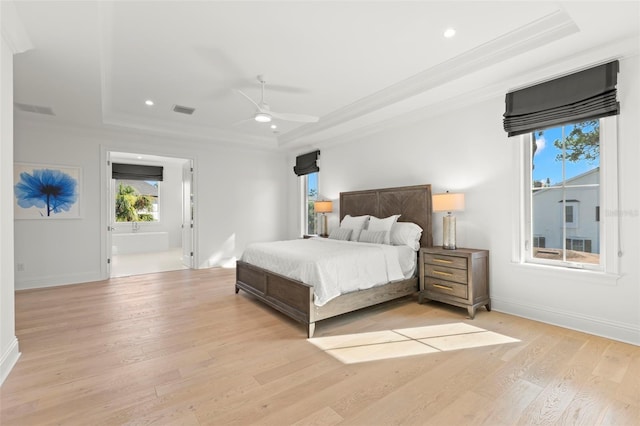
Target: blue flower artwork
46, 192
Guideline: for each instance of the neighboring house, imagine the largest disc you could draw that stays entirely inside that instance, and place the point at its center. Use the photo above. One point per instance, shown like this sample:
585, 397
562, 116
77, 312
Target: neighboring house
582, 215
142, 187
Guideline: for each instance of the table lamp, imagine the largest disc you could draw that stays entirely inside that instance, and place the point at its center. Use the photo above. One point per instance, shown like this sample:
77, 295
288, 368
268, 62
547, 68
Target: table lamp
448, 202
323, 207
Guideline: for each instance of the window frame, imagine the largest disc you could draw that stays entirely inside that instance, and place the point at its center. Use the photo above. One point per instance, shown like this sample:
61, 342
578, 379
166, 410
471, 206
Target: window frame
522, 248
304, 205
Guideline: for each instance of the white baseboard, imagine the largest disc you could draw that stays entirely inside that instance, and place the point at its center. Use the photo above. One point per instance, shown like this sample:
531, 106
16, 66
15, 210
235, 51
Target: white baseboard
53, 281
623, 332
9, 359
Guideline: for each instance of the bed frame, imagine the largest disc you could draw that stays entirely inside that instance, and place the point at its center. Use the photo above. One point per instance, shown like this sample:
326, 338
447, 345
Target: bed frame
295, 299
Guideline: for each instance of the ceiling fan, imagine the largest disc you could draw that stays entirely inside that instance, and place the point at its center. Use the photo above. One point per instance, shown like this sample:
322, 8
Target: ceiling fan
264, 114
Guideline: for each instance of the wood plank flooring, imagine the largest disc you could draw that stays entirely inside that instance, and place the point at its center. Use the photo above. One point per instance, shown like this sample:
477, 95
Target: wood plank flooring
182, 348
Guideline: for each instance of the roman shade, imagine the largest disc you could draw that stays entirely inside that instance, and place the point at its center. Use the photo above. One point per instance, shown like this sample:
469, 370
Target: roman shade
307, 163
582, 96
136, 172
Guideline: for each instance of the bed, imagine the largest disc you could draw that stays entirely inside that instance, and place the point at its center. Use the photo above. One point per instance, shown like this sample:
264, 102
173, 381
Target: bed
295, 298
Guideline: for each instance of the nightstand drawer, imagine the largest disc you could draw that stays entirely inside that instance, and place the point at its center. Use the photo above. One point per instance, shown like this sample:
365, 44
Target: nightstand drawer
452, 261
445, 287
445, 273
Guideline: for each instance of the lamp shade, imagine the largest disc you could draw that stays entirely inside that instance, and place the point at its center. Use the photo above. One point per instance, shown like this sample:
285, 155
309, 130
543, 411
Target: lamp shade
323, 206
448, 202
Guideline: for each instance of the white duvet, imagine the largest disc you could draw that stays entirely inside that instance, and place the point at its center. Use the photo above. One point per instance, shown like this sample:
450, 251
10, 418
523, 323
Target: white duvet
333, 267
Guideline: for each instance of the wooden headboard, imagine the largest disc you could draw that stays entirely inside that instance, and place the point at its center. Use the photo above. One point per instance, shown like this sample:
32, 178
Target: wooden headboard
412, 203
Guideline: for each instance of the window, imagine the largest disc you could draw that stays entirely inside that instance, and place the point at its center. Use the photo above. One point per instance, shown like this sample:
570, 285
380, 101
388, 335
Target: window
307, 169
538, 241
136, 200
571, 214
563, 173
579, 244
569, 169
310, 185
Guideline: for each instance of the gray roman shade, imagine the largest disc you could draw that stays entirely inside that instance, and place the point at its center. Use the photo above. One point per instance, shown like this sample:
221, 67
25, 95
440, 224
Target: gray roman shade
582, 96
307, 163
136, 172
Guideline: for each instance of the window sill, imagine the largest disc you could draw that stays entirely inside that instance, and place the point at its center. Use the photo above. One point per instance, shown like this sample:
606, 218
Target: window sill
583, 275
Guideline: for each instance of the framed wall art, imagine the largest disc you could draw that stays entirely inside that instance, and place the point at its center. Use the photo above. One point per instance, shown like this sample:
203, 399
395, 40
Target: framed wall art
46, 192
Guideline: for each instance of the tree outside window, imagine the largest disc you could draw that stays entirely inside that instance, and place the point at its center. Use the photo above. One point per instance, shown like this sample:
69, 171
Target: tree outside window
311, 195
136, 201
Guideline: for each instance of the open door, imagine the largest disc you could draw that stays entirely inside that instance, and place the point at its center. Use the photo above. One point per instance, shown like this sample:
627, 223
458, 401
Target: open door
187, 214
110, 205
109, 216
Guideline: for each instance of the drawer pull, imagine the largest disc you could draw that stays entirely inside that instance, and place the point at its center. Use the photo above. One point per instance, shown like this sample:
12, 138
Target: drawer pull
446, 274
442, 260
444, 287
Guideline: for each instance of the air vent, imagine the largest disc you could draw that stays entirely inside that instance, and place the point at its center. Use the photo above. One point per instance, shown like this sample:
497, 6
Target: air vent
183, 109
36, 109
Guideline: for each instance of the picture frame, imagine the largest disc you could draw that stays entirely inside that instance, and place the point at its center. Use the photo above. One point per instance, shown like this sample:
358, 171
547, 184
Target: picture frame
46, 192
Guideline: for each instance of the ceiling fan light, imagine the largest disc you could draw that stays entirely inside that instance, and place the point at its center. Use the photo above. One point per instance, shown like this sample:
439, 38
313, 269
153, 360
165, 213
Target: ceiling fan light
262, 117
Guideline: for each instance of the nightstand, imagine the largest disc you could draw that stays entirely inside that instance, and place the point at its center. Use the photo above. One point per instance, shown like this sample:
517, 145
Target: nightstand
458, 277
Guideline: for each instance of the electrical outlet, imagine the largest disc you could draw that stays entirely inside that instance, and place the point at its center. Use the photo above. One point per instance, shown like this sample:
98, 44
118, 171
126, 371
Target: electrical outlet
20, 267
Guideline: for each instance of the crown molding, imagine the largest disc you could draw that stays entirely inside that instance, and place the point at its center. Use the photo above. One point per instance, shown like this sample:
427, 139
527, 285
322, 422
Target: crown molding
191, 131
123, 136
418, 115
622, 49
540, 32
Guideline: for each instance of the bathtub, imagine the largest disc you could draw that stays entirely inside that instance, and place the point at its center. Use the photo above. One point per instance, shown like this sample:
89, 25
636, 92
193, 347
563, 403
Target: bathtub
139, 242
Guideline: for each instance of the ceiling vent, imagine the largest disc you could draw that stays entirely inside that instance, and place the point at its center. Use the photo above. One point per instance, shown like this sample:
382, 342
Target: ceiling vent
36, 109
183, 109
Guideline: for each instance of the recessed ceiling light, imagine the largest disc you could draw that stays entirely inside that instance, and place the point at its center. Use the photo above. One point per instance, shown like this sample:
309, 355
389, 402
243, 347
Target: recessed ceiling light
148, 102
449, 32
139, 157
273, 126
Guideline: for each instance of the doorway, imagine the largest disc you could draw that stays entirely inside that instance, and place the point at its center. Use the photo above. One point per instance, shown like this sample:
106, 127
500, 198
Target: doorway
149, 214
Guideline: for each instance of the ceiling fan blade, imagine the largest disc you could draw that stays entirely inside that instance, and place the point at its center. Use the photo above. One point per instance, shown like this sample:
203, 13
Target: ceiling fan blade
246, 120
301, 118
250, 100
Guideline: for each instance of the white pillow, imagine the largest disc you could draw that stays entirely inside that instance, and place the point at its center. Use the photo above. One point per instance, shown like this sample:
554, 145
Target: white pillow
385, 224
357, 223
341, 234
376, 237
406, 234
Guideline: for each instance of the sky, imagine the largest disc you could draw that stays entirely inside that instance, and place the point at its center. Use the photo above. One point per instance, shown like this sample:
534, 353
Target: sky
546, 166
313, 181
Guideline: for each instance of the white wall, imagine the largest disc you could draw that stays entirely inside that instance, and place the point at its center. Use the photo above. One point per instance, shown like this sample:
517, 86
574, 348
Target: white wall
8, 342
14, 40
467, 150
239, 197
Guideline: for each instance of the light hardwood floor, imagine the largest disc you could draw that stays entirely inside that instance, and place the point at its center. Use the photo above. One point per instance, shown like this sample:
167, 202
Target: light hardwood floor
182, 348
